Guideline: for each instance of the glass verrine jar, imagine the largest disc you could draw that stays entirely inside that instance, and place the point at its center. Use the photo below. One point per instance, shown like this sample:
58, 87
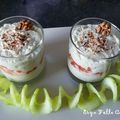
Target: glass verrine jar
23, 61
88, 59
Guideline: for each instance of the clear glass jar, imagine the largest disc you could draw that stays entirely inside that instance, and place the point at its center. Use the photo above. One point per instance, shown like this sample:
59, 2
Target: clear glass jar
26, 67
83, 68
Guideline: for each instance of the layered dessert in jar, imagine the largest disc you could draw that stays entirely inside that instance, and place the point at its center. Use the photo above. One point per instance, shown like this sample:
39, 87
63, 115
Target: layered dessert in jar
21, 48
93, 49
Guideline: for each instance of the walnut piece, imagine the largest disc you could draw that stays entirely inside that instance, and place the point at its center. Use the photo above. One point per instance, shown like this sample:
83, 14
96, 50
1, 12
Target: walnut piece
24, 25
14, 40
96, 44
104, 28
90, 35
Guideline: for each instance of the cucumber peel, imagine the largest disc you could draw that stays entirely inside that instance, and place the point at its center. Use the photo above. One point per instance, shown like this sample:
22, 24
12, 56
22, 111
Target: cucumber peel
10, 95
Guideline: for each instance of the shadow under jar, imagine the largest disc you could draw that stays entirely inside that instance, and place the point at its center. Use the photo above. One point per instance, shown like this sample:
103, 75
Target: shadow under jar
21, 48
93, 49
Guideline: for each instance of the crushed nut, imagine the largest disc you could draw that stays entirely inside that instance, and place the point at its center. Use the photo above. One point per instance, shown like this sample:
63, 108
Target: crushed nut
90, 35
104, 28
14, 40
96, 44
24, 25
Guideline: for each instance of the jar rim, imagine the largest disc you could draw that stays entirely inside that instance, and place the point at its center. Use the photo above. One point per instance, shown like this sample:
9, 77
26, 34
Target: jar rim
34, 21
93, 18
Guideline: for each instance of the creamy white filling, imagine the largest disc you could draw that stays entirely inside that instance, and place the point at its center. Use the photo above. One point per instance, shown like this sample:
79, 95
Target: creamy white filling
81, 31
35, 39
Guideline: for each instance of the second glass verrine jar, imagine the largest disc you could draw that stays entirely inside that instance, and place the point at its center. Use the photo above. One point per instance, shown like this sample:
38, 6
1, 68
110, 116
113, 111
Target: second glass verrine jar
21, 48
93, 49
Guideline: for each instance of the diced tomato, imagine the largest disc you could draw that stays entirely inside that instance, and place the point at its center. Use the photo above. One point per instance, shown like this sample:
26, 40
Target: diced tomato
31, 70
15, 72
87, 70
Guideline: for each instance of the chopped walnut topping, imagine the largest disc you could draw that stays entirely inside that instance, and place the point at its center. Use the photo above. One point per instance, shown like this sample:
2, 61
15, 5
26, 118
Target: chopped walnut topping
99, 43
96, 44
92, 38
24, 25
104, 28
90, 35
14, 40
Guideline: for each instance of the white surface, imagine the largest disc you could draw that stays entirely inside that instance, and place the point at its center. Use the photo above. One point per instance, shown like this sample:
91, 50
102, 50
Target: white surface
56, 43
